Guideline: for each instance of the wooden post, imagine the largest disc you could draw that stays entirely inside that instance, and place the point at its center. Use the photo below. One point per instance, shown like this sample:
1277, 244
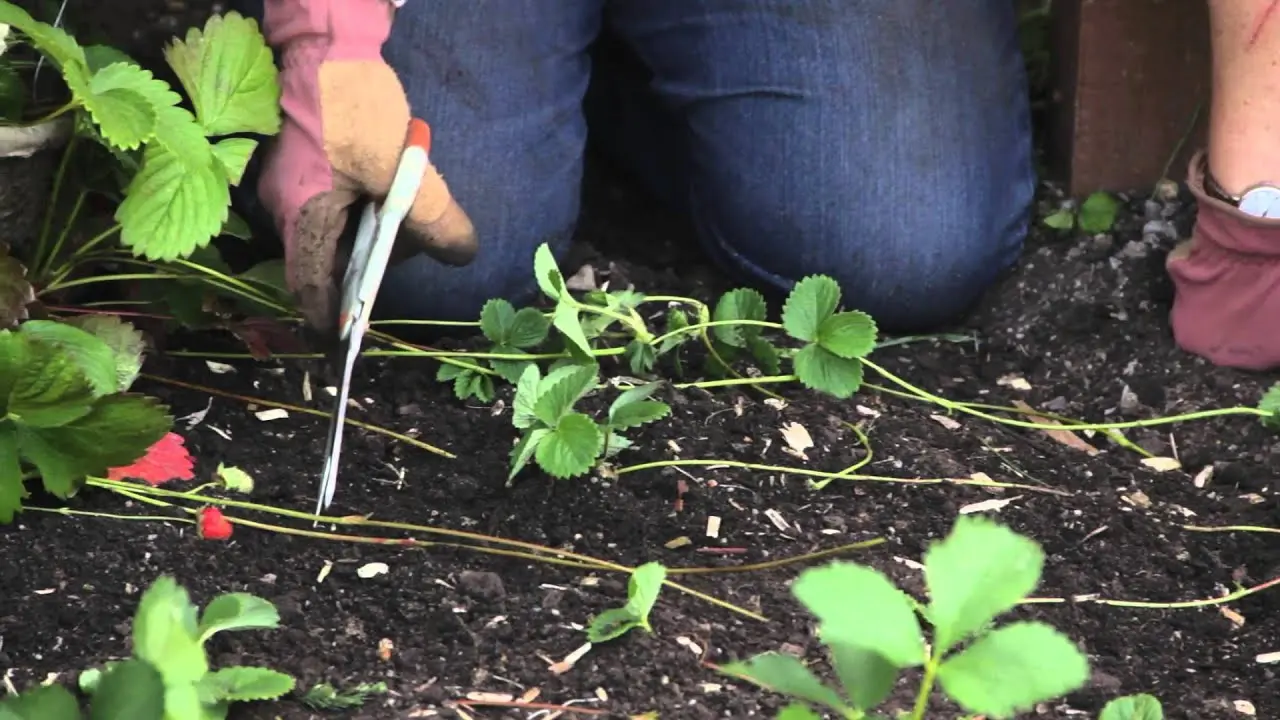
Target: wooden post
1130, 79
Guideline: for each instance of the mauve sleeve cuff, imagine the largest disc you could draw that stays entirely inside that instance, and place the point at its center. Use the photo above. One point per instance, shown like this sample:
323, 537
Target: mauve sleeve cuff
338, 29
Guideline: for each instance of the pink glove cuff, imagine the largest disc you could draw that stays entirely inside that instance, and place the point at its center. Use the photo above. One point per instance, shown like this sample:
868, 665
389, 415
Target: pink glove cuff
323, 30
1228, 284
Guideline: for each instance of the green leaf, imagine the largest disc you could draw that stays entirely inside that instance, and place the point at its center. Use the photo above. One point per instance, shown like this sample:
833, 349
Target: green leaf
820, 369
642, 594
98, 57
766, 355
866, 675
170, 208
234, 479
1011, 669
233, 155
977, 572
116, 432
787, 675
566, 320
529, 328
54, 43
48, 388
462, 384
130, 690
570, 449
1061, 220
179, 134
165, 634
524, 450
496, 320
236, 226
247, 684
812, 300
237, 611
482, 387
1270, 403
1133, 707
447, 372
522, 412
638, 413
1098, 213
12, 490
183, 701
848, 334
118, 100
677, 319
228, 72
860, 607
13, 96
91, 355
796, 711
560, 390
510, 370
641, 357
16, 292
48, 702
740, 304
633, 395
127, 344
547, 273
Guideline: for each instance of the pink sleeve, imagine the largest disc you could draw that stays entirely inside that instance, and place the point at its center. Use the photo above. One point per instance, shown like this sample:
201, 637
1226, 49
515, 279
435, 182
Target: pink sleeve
335, 29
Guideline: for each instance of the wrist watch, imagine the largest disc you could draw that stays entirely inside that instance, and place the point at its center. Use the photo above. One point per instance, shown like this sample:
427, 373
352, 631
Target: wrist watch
1261, 200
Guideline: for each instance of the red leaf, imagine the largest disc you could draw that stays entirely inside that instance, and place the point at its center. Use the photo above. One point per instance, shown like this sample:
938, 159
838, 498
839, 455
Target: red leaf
166, 460
213, 525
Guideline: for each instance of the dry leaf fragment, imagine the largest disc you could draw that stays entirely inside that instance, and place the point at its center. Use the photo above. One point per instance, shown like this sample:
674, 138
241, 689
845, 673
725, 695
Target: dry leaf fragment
798, 440
713, 526
602, 695
1236, 618
778, 521
1244, 707
1137, 498
324, 571
991, 505
1268, 658
569, 660
1162, 464
272, 414
372, 569
945, 422
385, 647
1203, 477
584, 280
1016, 382
677, 543
1066, 437
218, 368
490, 697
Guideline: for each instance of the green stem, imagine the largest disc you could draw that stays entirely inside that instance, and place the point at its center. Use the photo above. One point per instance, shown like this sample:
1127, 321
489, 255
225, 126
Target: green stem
40, 262
109, 278
1150, 422
699, 326
67, 225
633, 321
926, 687
727, 382
82, 251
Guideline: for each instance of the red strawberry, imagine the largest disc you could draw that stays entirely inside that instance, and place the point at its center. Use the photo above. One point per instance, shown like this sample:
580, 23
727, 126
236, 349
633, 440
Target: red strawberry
213, 525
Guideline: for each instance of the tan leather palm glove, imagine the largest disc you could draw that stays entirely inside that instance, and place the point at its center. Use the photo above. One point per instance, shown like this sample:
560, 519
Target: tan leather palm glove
345, 120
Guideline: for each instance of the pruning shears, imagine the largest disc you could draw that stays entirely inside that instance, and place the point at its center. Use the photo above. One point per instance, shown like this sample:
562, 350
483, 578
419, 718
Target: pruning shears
375, 238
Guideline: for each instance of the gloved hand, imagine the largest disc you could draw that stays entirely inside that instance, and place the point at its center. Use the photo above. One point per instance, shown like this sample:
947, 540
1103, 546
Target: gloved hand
345, 120
1227, 279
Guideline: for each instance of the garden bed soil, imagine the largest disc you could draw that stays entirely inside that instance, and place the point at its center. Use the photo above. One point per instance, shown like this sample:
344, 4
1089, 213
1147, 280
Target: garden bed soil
1082, 321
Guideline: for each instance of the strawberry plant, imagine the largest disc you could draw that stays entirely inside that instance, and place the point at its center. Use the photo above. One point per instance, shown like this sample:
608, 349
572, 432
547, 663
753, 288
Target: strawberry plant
168, 170
872, 632
168, 677
65, 409
564, 441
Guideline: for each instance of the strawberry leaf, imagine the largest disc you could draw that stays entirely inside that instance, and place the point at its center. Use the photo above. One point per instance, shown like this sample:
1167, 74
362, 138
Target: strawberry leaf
167, 459
571, 448
812, 300
126, 343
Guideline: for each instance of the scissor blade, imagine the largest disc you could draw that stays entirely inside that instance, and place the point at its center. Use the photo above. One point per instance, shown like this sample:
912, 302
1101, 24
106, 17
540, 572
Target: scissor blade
337, 421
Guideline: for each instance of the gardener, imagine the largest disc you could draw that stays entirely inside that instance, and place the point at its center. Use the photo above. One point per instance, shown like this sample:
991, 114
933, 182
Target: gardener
885, 142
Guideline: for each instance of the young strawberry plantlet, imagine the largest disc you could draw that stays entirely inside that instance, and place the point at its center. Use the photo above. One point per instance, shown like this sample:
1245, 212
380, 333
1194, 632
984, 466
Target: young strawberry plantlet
872, 631
1133, 707
564, 441
642, 593
168, 677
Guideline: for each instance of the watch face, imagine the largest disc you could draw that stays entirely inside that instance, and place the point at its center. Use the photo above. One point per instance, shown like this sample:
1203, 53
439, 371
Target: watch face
1262, 201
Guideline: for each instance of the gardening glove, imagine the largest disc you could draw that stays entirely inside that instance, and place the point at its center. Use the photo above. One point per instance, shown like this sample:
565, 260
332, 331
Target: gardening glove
1227, 279
345, 122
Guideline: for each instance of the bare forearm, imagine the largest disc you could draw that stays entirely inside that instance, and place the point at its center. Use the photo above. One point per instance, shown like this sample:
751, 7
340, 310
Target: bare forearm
1244, 126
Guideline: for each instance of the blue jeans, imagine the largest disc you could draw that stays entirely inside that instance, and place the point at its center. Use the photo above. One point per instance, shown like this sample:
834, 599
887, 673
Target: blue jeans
886, 143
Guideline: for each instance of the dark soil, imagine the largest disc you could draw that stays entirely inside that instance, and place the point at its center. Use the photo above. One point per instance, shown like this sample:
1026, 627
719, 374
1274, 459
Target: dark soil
1082, 320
